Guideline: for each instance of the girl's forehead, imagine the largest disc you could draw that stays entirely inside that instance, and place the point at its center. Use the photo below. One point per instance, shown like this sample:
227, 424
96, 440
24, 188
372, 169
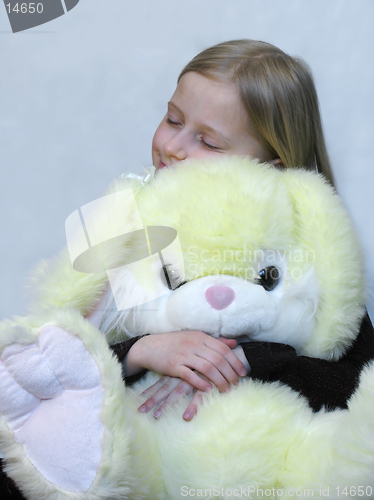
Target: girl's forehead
209, 102
200, 88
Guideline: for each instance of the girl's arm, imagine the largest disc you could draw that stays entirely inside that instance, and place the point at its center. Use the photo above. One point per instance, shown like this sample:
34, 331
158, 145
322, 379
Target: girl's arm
321, 382
181, 354
164, 350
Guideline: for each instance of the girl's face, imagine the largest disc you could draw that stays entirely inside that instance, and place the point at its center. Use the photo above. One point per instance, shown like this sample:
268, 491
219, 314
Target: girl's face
204, 118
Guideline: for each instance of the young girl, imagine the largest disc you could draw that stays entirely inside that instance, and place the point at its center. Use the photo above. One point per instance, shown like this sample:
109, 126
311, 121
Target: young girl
245, 98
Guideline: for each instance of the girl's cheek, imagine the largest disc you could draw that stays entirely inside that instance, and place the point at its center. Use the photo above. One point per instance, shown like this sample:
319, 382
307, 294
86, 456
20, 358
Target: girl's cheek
156, 147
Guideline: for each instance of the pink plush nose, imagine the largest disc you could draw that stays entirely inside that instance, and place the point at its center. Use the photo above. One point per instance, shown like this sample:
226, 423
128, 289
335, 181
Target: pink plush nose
219, 296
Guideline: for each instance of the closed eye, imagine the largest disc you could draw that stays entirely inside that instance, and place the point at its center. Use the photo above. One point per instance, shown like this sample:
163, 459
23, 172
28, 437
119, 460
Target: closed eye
209, 146
171, 122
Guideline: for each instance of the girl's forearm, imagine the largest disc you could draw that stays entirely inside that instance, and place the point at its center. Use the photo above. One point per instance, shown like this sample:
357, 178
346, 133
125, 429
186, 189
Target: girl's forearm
133, 362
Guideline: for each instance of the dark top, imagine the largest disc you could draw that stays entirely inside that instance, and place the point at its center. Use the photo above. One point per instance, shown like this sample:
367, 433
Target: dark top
8, 490
322, 383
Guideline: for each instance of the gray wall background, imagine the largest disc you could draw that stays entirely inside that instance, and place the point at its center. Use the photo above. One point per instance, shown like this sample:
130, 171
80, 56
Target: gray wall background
82, 96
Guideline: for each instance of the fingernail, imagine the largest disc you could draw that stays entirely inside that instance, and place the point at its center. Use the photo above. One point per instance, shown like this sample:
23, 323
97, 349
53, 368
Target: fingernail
187, 415
142, 409
209, 388
157, 414
243, 372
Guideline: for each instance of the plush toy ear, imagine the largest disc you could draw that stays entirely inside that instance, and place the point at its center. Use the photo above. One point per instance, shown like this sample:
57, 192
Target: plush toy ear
325, 232
56, 283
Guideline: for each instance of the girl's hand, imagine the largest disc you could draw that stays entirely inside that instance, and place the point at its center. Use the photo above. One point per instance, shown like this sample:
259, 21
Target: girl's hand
167, 390
180, 354
170, 389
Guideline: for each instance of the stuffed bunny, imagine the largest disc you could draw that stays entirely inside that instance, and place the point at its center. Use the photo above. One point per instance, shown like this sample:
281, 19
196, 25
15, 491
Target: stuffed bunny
231, 247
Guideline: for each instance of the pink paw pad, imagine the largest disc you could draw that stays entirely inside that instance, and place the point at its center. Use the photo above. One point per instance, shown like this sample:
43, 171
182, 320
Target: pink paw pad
51, 399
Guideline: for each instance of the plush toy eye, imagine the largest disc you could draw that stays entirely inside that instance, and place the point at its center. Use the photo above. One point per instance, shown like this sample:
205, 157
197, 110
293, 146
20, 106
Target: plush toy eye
170, 278
268, 278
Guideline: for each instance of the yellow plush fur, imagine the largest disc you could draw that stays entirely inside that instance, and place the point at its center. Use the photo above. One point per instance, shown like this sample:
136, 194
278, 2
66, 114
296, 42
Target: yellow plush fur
236, 203
259, 436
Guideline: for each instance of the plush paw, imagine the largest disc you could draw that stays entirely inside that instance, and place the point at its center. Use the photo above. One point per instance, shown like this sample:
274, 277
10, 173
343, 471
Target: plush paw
51, 399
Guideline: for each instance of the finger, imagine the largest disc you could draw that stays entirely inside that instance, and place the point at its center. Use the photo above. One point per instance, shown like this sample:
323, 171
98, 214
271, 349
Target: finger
155, 387
214, 365
232, 343
192, 378
227, 353
182, 389
216, 369
193, 406
160, 394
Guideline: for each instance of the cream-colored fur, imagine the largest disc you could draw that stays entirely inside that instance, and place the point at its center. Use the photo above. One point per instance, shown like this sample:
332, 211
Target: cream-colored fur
260, 436
234, 217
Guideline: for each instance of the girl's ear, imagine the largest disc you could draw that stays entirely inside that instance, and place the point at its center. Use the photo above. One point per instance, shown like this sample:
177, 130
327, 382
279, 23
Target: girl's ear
277, 162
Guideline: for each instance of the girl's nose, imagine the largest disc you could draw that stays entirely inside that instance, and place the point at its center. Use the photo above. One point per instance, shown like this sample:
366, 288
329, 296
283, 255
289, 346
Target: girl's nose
219, 296
174, 148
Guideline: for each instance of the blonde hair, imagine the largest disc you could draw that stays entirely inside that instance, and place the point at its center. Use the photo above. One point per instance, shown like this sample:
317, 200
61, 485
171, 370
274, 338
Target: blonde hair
279, 95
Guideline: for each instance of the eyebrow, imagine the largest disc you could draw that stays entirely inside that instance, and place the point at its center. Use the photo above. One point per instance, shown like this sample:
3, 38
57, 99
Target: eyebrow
204, 126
